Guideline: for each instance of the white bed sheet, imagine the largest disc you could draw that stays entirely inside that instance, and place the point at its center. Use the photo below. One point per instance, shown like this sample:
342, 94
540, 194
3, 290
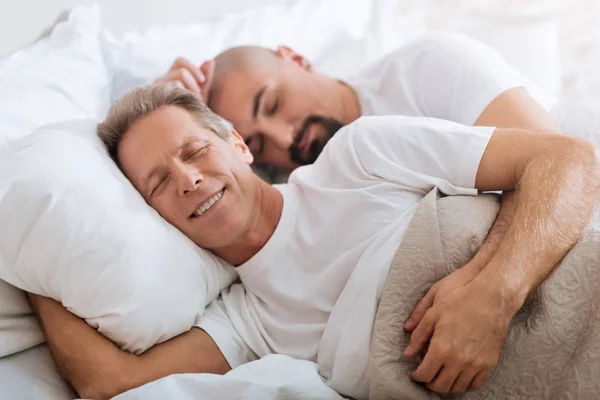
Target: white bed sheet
272, 377
31, 375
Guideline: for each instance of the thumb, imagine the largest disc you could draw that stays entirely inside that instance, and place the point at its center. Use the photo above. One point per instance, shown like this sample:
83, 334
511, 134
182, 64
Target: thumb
420, 310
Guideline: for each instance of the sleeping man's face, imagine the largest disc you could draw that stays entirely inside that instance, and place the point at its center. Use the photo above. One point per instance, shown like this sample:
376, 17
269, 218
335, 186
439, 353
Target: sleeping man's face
198, 181
284, 111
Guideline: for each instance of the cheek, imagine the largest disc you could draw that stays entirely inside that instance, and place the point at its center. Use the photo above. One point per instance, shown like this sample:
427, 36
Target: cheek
167, 208
277, 156
298, 101
221, 162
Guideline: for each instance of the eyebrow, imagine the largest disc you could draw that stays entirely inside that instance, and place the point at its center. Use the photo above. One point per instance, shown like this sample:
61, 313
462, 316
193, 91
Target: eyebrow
257, 98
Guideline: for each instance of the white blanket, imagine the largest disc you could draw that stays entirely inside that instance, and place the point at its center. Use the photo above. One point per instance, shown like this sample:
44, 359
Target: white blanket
272, 377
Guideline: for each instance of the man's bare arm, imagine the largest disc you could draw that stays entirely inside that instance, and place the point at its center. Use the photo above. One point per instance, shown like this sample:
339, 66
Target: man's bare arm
558, 181
98, 369
512, 109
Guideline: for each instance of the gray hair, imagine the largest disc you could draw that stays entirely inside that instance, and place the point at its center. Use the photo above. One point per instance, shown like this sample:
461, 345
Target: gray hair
143, 101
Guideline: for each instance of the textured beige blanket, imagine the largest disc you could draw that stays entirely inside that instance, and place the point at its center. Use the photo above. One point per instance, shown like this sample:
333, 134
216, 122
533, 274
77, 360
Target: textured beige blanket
553, 347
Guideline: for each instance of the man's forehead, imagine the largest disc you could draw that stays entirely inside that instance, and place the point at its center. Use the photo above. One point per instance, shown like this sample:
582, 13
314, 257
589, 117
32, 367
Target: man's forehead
149, 143
236, 99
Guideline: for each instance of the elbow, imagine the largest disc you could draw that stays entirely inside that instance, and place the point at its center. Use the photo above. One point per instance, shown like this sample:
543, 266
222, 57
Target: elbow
596, 169
586, 159
591, 155
102, 388
92, 393
96, 392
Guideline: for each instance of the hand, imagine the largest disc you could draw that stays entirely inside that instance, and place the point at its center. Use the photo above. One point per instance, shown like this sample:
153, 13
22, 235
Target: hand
439, 291
466, 331
184, 74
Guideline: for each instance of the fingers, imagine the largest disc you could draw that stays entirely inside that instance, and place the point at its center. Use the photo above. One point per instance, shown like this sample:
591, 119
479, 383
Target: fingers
445, 379
208, 70
429, 367
184, 63
481, 378
184, 74
420, 310
420, 336
463, 381
181, 78
443, 372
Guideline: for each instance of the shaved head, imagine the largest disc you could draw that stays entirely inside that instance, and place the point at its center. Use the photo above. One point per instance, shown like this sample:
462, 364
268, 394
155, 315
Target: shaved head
240, 59
244, 57
283, 110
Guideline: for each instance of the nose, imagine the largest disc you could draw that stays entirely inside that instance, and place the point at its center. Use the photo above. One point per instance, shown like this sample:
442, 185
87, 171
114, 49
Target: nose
188, 179
283, 136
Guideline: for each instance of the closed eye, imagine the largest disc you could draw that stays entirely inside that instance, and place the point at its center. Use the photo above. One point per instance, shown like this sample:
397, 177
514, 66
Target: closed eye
159, 186
196, 153
273, 108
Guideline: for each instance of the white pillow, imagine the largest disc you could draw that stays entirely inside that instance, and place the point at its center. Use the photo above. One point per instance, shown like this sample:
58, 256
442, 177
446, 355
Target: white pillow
62, 76
19, 329
320, 30
73, 228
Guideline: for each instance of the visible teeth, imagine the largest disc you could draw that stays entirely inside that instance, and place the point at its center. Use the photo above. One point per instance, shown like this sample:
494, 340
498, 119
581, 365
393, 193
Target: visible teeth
208, 204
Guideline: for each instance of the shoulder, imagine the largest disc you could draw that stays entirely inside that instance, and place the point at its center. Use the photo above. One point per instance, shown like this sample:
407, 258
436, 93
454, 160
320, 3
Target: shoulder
448, 42
440, 48
372, 132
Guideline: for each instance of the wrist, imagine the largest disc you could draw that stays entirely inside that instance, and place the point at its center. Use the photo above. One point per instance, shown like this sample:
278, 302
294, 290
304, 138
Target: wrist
480, 260
508, 294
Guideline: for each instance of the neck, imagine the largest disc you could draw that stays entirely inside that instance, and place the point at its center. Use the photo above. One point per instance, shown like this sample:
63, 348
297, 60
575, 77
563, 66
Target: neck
349, 105
264, 220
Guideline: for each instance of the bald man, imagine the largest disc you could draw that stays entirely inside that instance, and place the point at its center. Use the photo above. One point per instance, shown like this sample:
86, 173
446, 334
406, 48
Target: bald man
286, 111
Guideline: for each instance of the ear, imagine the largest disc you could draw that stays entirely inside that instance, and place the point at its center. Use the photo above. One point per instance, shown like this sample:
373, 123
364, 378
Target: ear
290, 55
238, 142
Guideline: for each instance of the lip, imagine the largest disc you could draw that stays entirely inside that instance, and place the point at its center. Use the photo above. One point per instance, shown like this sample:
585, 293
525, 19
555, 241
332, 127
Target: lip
307, 138
192, 214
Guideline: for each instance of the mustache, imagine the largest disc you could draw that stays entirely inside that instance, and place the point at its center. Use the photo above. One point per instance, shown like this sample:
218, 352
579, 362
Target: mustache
330, 127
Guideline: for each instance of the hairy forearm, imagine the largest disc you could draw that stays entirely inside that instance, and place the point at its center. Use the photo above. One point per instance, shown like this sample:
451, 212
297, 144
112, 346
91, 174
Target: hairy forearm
97, 368
496, 233
512, 109
554, 201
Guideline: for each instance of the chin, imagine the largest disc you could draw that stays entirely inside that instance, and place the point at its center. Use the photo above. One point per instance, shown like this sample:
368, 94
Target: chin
212, 242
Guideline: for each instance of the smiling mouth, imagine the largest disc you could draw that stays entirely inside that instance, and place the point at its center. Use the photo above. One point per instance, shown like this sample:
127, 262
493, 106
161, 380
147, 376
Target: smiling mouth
208, 204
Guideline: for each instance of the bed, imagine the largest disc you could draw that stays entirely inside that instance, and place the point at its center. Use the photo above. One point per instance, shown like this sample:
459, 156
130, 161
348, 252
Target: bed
341, 40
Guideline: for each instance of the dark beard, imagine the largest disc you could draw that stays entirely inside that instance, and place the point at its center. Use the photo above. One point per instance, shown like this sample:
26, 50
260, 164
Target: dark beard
330, 126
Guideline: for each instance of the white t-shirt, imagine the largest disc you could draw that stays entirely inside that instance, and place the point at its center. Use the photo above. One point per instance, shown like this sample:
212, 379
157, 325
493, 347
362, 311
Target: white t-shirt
312, 292
443, 75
